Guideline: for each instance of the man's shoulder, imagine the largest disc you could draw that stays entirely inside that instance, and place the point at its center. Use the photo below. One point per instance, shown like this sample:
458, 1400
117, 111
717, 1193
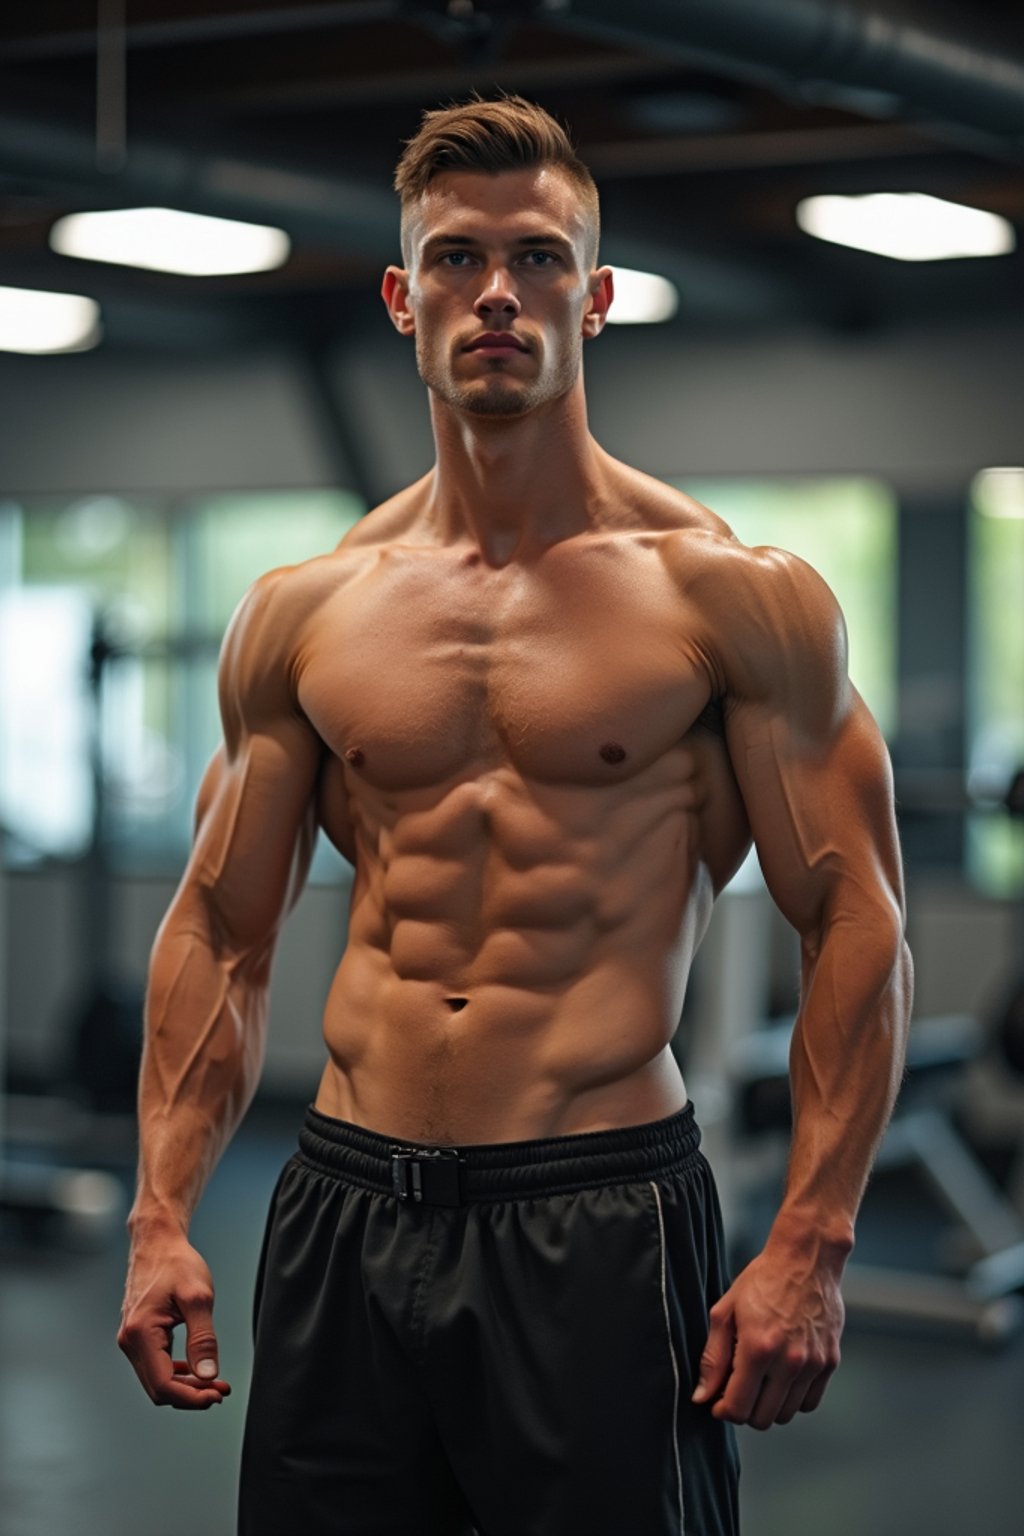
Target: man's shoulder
698, 545
289, 593
761, 581
389, 521
641, 502
768, 622
311, 581
783, 637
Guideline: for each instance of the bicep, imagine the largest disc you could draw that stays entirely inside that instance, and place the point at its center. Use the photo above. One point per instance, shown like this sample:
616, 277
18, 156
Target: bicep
820, 808
255, 822
255, 836
208, 785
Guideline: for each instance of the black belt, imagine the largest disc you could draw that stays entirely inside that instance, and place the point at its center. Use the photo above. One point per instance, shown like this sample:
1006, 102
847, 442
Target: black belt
434, 1175
448, 1175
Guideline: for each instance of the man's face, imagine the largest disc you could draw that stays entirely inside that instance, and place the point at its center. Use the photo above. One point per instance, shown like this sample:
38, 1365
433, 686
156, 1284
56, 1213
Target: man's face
498, 293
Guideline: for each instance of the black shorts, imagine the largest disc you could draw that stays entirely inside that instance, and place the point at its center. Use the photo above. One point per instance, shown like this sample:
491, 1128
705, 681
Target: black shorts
502, 1338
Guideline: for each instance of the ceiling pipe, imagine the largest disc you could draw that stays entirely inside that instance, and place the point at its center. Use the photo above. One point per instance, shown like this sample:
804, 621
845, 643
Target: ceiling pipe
807, 42
821, 43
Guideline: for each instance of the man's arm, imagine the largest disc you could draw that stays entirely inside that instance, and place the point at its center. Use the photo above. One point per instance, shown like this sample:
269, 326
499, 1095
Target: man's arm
206, 1002
816, 782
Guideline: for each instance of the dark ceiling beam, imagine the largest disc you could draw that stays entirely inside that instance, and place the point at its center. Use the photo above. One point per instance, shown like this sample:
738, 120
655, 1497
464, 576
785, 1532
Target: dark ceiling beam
679, 155
177, 32
306, 93
829, 42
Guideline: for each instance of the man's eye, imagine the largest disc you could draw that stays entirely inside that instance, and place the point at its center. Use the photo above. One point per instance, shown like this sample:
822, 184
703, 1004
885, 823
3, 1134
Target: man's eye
455, 258
540, 258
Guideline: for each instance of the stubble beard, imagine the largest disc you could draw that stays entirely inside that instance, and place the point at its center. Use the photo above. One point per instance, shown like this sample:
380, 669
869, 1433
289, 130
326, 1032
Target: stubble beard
493, 396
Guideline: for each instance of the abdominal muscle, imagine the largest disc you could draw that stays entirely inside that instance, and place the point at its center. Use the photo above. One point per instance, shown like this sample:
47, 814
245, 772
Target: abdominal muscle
516, 959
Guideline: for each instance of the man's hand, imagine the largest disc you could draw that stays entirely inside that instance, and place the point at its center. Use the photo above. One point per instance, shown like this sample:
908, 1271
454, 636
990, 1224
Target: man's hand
773, 1345
169, 1284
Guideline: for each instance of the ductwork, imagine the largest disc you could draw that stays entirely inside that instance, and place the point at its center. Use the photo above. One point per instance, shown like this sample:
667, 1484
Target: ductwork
823, 44
814, 45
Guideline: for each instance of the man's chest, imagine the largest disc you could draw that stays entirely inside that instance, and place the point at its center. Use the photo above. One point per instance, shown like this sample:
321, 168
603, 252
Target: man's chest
577, 673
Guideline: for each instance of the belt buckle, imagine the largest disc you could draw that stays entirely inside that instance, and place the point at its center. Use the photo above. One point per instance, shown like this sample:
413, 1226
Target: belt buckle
430, 1174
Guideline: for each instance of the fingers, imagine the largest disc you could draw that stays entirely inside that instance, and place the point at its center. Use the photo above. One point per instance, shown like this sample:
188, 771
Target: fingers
817, 1390
158, 1299
201, 1341
184, 1377
168, 1384
174, 1386
773, 1343
716, 1360
780, 1399
745, 1383
764, 1389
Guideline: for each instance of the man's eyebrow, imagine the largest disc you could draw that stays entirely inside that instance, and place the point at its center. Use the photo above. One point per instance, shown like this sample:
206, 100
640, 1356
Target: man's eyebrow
541, 238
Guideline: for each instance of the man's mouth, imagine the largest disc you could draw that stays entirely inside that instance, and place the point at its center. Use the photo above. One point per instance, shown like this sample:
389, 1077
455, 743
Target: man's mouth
496, 341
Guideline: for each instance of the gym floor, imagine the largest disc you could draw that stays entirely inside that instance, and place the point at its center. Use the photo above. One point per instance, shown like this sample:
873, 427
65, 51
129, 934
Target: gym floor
917, 1437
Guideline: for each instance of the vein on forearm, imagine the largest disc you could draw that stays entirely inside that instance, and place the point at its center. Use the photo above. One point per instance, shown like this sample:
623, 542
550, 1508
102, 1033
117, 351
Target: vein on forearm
206, 1017
846, 1057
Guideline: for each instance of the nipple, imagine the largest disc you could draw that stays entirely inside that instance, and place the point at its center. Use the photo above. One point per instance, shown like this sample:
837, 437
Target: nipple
355, 756
613, 753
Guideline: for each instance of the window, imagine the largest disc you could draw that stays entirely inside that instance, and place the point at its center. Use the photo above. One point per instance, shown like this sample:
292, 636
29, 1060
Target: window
163, 581
995, 663
847, 530
225, 542
65, 564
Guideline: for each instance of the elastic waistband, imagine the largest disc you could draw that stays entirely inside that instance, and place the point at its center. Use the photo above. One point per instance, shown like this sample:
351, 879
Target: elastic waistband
447, 1175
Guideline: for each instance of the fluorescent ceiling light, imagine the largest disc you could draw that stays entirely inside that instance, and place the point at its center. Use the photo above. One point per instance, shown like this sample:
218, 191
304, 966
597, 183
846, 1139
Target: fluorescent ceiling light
34, 321
999, 492
909, 226
167, 240
641, 298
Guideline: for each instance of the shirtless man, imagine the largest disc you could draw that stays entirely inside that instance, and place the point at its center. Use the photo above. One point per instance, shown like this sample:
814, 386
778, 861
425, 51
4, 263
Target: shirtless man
542, 703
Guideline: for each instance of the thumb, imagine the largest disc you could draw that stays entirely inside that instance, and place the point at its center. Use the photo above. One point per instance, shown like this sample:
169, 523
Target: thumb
201, 1341
716, 1360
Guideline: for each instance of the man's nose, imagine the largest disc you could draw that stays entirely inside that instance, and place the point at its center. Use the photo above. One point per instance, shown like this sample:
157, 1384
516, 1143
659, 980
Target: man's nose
498, 295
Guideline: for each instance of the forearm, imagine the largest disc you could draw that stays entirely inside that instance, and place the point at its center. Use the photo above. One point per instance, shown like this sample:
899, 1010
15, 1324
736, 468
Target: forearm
205, 1032
846, 1065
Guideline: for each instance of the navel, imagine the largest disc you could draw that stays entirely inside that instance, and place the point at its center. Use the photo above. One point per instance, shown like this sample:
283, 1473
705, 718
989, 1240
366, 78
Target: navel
356, 756
613, 753
456, 1004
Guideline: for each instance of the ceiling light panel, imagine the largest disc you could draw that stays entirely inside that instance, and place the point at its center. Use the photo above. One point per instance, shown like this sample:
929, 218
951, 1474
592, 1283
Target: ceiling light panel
641, 298
168, 240
907, 226
34, 321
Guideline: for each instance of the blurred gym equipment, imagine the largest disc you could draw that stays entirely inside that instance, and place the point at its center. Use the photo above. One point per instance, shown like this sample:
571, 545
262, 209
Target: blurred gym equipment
985, 1249
89, 1111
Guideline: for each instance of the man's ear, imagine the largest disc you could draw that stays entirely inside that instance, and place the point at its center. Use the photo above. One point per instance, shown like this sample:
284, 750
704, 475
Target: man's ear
394, 290
602, 292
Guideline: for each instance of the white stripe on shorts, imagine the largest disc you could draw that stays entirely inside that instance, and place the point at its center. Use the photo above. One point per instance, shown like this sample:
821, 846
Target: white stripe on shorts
671, 1355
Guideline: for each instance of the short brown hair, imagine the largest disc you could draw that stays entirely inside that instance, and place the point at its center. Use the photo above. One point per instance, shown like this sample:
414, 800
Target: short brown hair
505, 133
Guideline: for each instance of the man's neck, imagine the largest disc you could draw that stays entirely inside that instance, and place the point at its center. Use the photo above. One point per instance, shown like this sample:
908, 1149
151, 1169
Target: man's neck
513, 486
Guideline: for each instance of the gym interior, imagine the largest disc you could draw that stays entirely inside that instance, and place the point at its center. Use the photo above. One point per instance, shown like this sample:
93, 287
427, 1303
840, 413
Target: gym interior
855, 397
